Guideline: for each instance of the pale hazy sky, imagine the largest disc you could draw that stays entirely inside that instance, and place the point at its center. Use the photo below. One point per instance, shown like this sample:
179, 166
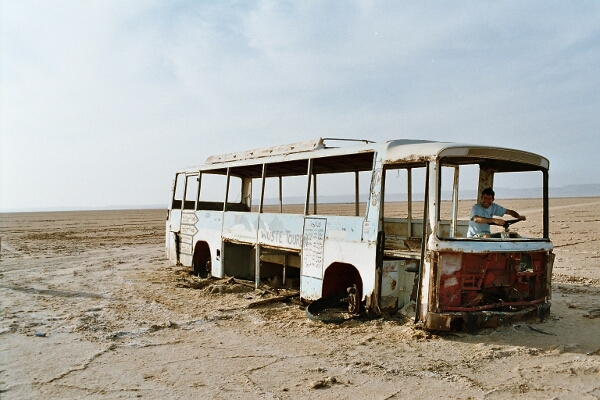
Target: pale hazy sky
101, 101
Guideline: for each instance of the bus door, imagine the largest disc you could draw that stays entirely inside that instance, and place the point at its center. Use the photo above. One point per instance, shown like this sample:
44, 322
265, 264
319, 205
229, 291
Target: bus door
184, 194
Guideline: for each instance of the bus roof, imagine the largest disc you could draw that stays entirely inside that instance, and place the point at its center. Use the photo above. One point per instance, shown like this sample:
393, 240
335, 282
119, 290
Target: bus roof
391, 152
401, 151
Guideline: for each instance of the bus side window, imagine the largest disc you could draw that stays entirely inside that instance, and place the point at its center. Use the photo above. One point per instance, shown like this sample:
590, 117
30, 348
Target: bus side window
396, 193
336, 193
235, 200
178, 193
282, 195
212, 191
191, 191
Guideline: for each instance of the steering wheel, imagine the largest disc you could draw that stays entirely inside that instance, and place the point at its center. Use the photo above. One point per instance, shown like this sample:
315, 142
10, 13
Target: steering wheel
509, 222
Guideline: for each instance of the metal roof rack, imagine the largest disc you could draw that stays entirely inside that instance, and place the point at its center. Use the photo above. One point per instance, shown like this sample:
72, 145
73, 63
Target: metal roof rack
268, 151
348, 140
299, 147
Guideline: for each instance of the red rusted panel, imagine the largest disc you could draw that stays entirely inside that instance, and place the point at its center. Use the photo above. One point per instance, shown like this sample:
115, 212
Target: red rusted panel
450, 286
487, 281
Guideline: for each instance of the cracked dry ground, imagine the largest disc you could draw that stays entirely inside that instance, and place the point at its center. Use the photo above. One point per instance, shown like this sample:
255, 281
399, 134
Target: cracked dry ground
90, 308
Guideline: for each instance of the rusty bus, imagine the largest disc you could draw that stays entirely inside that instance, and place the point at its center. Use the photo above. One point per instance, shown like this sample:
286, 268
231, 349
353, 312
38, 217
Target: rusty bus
398, 236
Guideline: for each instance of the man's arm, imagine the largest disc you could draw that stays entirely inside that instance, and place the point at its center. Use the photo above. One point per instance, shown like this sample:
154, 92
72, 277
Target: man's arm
492, 221
516, 215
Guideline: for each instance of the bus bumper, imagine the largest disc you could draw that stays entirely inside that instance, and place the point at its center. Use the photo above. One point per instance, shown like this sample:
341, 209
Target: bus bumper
472, 321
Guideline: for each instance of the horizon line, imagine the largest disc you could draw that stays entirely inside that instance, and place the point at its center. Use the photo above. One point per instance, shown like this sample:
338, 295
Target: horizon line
164, 207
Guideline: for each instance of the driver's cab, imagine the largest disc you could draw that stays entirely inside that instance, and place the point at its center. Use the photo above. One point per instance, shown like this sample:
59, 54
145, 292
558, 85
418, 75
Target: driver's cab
473, 282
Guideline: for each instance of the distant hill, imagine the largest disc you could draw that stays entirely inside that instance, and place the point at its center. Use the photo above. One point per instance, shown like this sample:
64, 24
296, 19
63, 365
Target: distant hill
584, 190
589, 190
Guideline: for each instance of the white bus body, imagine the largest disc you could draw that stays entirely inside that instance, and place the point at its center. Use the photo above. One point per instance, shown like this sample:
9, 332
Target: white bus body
382, 247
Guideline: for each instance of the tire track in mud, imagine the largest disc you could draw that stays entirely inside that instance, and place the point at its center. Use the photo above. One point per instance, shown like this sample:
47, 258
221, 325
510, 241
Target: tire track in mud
54, 292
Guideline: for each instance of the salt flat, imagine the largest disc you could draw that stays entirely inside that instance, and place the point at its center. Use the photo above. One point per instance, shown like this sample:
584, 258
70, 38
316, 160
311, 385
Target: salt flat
90, 307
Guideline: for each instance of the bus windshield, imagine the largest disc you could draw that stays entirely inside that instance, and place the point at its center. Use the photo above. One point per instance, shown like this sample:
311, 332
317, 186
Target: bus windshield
460, 190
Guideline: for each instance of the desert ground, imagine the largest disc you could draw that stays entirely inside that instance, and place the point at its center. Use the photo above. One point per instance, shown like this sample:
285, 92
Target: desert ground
91, 308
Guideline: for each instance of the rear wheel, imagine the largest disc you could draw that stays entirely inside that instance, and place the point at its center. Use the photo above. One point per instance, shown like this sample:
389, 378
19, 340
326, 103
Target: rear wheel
332, 309
202, 269
342, 294
201, 261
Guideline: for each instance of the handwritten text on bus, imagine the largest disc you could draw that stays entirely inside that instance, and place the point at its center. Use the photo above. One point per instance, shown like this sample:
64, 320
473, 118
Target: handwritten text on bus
283, 237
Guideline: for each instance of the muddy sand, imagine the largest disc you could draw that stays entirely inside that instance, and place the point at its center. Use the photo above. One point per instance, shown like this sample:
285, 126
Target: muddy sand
91, 308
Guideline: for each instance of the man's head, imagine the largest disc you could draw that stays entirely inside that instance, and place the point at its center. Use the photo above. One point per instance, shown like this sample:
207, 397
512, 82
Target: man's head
487, 197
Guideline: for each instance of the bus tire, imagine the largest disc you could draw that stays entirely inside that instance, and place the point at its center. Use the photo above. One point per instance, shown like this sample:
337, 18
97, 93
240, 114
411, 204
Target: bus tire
329, 309
201, 261
202, 269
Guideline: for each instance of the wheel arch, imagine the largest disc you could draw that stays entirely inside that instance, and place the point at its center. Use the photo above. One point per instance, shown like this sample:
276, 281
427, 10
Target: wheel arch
201, 260
338, 277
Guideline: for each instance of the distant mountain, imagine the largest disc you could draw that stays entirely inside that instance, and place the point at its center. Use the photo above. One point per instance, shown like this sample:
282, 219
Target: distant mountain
584, 190
589, 190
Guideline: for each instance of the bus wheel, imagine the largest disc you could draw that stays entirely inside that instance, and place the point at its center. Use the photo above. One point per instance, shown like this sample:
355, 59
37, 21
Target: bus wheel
335, 309
353, 300
202, 269
201, 260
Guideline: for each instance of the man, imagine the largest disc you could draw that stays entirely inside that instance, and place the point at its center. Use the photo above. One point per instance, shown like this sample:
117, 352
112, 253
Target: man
482, 215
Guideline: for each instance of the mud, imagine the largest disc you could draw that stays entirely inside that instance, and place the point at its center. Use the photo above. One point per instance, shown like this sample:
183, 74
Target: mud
91, 308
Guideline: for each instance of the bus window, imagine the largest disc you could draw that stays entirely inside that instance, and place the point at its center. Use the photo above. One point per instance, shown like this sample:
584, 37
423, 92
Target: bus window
191, 191
212, 191
458, 193
284, 188
178, 192
396, 193
396, 204
403, 207
236, 199
520, 191
336, 194
285, 194
235, 190
418, 192
256, 191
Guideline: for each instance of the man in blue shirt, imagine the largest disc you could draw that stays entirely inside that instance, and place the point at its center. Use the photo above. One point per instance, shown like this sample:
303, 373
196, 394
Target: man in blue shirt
482, 215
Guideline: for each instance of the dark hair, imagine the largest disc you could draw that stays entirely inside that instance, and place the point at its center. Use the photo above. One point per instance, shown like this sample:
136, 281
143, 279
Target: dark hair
489, 191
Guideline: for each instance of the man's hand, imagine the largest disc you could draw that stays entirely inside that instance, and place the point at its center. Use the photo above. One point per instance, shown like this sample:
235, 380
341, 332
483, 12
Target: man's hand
498, 221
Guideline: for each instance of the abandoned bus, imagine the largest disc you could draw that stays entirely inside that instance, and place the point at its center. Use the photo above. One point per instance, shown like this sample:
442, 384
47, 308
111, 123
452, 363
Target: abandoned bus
386, 222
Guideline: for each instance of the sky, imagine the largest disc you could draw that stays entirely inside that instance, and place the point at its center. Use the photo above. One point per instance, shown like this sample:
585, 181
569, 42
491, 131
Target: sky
101, 101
